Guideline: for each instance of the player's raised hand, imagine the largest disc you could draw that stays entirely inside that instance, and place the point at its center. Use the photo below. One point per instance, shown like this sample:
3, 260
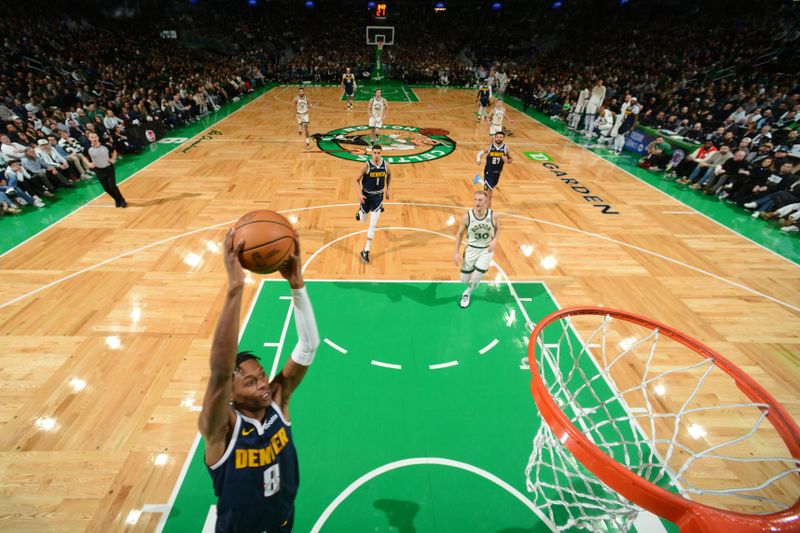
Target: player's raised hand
292, 269
232, 264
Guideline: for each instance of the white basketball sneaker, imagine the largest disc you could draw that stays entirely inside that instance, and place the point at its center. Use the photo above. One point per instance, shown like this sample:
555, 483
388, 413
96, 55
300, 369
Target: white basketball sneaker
465, 299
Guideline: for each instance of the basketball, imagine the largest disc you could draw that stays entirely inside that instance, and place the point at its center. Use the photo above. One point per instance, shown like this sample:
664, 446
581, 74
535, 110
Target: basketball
268, 241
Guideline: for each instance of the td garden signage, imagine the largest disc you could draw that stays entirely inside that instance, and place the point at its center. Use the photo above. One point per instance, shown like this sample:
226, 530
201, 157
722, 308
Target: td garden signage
401, 144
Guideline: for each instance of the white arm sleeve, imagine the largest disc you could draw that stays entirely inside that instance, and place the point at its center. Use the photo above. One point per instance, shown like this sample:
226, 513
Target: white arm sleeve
307, 334
480, 155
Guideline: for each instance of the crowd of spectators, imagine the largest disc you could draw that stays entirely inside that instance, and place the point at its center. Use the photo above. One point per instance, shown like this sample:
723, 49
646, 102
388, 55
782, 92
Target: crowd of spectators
733, 78
65, 78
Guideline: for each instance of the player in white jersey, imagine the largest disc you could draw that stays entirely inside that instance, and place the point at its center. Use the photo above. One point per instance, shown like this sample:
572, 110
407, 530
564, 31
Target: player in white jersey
604, 123
301, 108
596, 98
498, 115
483, 229
377, 108
580, 107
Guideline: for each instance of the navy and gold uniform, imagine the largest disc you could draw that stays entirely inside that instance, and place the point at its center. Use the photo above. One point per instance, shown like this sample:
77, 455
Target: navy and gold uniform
494, 165
372, 184
348, 84
484, 95
257, 478
629, 117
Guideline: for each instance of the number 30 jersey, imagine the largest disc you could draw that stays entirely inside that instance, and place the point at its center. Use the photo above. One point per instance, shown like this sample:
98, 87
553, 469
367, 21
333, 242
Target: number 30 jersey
257, 478
480, 231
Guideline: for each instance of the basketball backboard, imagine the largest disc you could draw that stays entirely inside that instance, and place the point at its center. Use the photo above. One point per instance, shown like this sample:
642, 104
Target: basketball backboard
374, 33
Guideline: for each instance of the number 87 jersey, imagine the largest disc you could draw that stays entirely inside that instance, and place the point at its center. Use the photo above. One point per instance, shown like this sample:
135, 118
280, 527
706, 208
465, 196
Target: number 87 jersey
257, 478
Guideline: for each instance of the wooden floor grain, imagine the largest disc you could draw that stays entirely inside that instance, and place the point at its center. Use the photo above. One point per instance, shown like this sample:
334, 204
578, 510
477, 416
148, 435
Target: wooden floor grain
107, 316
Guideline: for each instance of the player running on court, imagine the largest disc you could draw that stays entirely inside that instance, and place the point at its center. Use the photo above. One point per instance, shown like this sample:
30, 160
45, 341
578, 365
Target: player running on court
483, 229
349, 86
377, 108
483, 98
249, 447
497, 155
302, 106
498, 116
372, 183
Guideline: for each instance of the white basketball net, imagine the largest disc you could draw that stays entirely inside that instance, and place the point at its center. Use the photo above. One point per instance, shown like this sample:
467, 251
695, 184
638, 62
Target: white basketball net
652, 410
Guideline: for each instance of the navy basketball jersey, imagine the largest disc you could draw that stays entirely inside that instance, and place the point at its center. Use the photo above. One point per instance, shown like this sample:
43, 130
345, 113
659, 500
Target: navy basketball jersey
484, 94
348, 81
630, 116
257, 478
374, 179
494, 158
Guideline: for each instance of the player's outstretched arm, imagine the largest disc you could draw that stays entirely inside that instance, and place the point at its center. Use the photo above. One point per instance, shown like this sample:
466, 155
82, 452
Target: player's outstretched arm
460, 235
216, 417
479, 157
303, 354
496, 221
508, 155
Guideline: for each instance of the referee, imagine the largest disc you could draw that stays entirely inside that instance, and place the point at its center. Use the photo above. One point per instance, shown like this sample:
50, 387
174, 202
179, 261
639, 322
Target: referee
103, 163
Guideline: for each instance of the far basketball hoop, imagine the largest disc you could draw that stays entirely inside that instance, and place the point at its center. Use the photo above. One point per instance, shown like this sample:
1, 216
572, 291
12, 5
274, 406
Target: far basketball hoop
382, 33
379, 36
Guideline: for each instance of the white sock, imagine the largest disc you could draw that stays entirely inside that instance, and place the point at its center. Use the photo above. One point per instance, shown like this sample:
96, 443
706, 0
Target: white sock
476, 279
373, 223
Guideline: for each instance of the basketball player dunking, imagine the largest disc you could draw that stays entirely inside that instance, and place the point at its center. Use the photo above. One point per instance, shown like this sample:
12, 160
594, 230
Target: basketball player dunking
497, 155
301, 107
250, 451
349, 86
377, 109
372, 183
483, 229
483, 98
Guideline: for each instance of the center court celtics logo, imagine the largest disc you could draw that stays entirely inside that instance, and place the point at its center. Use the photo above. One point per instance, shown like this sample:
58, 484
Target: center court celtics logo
401, 144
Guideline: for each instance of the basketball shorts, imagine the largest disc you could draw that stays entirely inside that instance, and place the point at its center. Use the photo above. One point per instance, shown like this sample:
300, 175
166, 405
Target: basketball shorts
484, 103
372, 201
476, 259
493, 128
348, 91
302, 119
624, 128
490, 180
375, 122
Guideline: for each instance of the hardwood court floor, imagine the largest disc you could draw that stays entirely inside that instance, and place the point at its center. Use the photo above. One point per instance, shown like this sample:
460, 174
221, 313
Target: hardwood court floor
107, 317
